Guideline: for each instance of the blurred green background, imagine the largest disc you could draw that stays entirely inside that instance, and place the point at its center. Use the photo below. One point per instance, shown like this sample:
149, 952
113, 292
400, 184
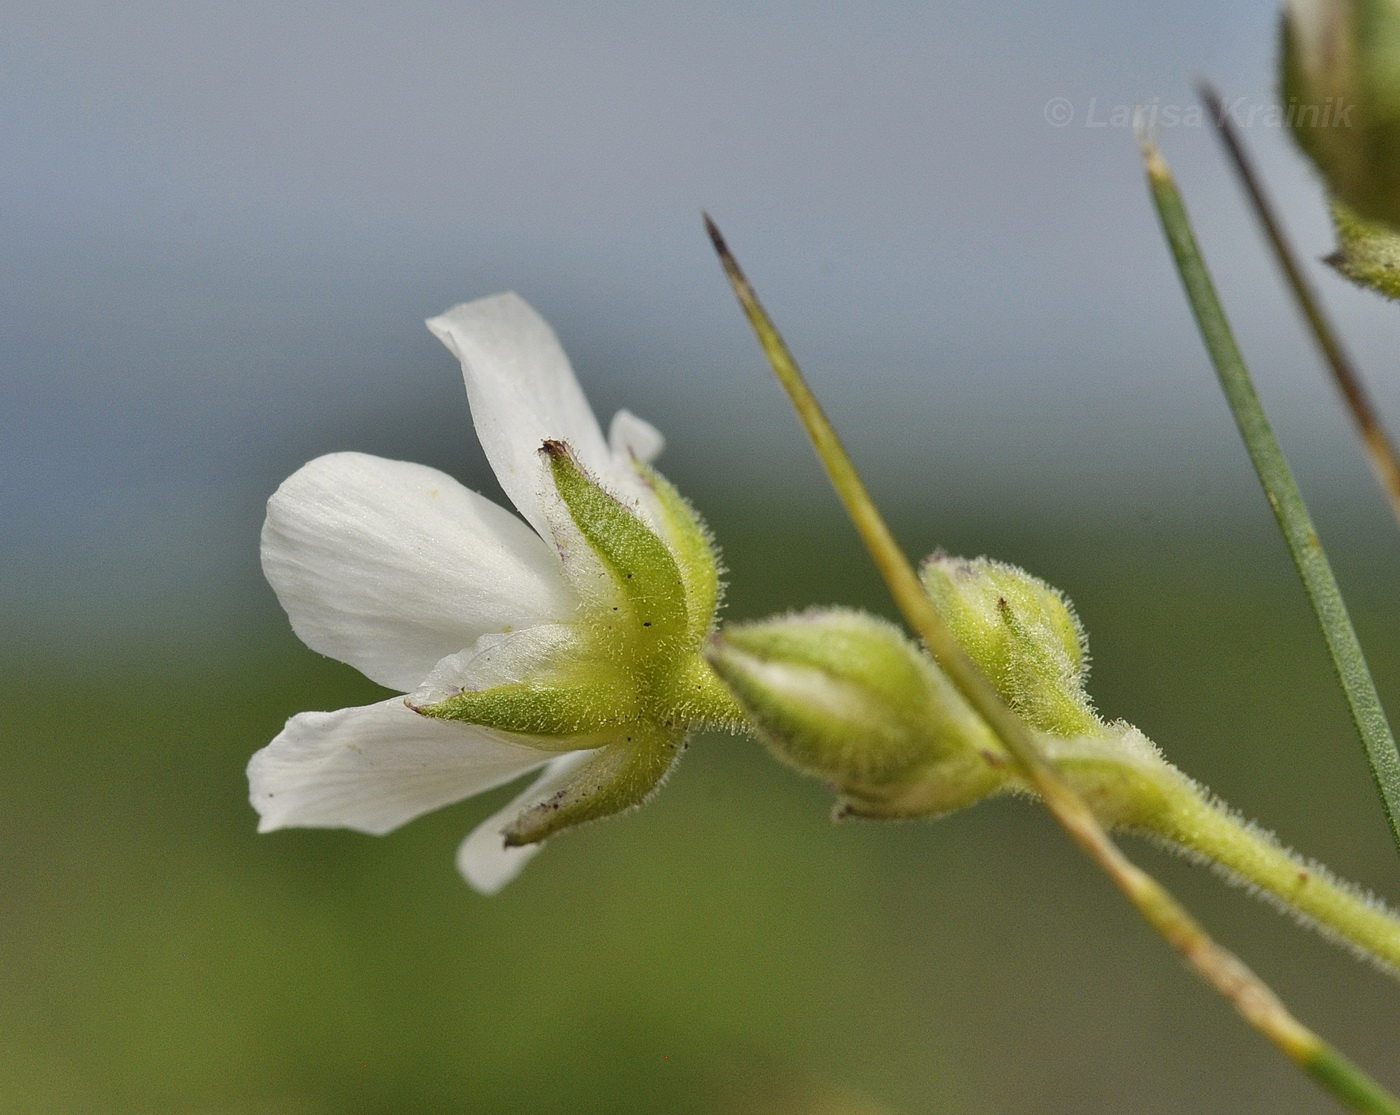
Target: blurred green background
223, 225
727, 949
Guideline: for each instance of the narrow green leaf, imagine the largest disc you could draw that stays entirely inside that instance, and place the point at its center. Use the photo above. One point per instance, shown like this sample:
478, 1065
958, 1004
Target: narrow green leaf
1380, 450
1348, 1083
1252, 998
1281, 490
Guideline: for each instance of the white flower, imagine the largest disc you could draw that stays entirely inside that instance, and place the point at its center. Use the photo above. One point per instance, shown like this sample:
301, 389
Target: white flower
432, 590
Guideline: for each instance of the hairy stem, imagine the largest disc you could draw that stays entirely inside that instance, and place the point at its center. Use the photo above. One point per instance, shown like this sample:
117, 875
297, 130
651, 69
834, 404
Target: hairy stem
1149, 796
1245, 991
1253, 857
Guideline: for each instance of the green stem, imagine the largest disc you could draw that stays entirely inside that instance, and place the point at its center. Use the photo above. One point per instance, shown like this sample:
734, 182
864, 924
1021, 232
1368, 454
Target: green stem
1282, 492
1254, 857
1245, 991
1147, 795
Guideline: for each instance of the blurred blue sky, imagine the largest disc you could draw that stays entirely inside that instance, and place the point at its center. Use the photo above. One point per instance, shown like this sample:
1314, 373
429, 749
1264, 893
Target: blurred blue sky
225, 223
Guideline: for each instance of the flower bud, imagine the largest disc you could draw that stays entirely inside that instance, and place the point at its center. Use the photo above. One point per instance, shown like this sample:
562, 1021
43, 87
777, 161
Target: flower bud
1341, 84
1022, 633
1368, 252
845, 696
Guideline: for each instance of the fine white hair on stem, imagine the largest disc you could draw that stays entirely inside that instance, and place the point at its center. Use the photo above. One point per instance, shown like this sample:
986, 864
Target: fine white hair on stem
1311, 868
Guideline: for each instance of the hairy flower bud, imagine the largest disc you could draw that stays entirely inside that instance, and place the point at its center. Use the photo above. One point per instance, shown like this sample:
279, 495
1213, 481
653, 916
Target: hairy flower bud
1022, 633
845, 696
1368, 252
1341, 84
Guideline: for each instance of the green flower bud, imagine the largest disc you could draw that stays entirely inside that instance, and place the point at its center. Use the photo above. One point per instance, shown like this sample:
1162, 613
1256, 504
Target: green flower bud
845, 696
1023, 634
1341, 85
1368, 252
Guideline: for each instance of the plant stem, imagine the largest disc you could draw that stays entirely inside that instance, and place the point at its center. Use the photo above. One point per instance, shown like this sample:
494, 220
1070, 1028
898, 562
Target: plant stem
1250, 996
1253, 857
1380, 451
1281, 490
1151, 797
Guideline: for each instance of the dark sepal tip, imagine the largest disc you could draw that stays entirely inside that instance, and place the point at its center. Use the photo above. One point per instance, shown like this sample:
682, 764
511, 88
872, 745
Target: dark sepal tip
555, 450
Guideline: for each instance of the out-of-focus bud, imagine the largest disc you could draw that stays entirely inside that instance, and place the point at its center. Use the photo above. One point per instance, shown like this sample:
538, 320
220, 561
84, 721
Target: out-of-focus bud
1368, 252
1341, 88
1023, 634
845, 696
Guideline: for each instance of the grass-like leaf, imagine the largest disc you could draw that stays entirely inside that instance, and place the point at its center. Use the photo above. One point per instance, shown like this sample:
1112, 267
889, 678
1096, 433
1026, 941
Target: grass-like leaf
1380, 450
1281, 490
1249, 995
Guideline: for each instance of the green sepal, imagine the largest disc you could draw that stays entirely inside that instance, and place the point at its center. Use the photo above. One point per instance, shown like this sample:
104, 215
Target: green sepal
621, 776
1368, 252
1024, 636
628, 682
846, 697
839, 694
944, 786
695, 695
562, 712
693, 547
645, 580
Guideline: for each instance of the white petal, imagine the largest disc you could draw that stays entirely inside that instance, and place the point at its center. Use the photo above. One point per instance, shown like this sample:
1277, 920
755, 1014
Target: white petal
631, 442
496, 660
483, 859
630, 436
376, 767
391, 566
522, 393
